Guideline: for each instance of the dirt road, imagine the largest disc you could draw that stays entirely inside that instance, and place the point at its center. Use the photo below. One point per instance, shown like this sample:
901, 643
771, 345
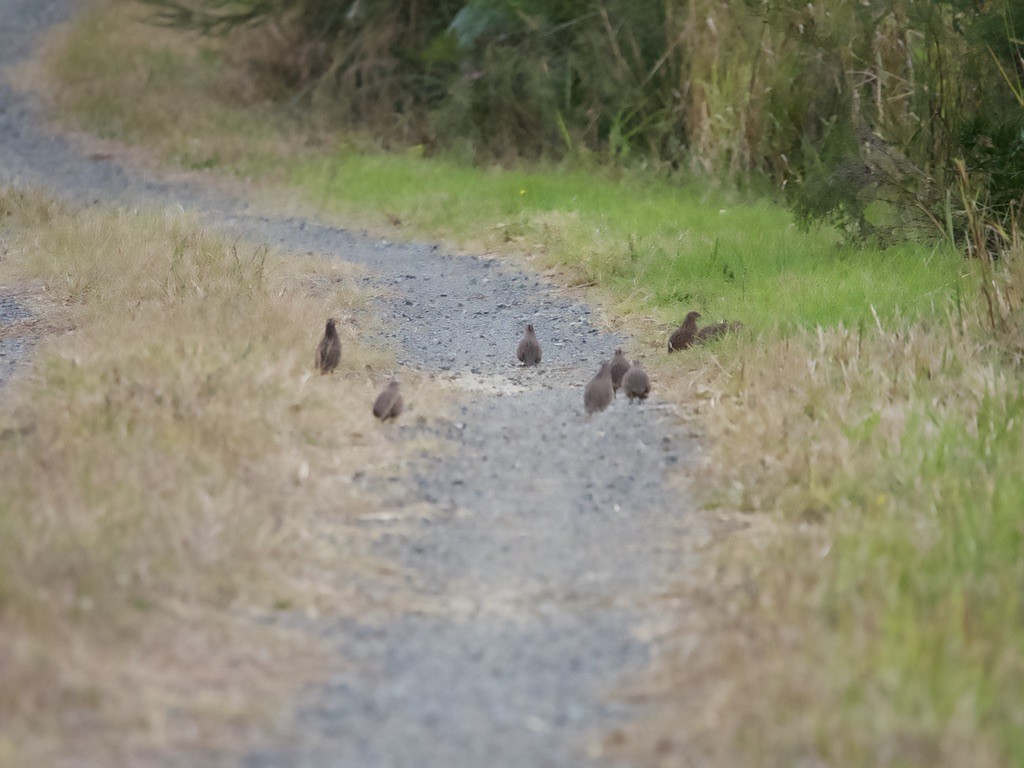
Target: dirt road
551, 529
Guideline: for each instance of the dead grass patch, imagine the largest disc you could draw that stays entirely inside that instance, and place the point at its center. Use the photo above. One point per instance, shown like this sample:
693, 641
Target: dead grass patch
175, 475
871, 616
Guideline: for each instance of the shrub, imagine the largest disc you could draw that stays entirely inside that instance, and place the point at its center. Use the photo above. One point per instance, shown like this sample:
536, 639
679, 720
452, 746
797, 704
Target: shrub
860, 107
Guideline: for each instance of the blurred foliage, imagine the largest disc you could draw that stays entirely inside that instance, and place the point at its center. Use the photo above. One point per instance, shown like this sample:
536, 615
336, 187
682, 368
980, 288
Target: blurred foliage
858, 108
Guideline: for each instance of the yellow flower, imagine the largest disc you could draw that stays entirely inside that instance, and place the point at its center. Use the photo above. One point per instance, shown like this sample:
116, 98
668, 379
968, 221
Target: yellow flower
522, 191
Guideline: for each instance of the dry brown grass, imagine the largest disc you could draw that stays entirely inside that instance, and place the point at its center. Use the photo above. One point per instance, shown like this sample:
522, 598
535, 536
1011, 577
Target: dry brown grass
867, 612
173, 471
104, 94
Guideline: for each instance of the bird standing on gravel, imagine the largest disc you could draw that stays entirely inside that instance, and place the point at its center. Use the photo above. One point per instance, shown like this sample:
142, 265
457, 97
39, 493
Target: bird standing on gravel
636, 384
328, 352
599, 392
388, 404
684, 334
528, 350
619, 367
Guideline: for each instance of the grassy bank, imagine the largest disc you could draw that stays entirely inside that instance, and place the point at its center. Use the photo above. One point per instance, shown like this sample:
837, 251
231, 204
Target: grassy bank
871, 613
867, 423
173, 471
657, 248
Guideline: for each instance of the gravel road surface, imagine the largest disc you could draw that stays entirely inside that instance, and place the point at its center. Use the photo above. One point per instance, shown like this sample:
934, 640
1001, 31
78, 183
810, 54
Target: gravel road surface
552, 529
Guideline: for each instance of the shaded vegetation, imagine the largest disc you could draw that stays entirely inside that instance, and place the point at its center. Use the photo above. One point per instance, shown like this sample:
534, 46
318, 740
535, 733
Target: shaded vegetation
869, 103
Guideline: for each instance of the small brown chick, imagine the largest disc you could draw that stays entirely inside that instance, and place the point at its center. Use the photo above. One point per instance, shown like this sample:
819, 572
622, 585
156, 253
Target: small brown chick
619, 367
684, 334
328, 352
636, 383
708, 332
599, 392
388, 404
528, 350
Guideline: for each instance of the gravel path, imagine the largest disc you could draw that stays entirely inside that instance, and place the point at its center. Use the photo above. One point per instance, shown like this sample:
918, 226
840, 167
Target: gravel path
552, 529
14, 346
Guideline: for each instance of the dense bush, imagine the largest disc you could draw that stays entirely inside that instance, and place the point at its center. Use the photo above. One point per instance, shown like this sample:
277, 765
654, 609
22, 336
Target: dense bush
861, 106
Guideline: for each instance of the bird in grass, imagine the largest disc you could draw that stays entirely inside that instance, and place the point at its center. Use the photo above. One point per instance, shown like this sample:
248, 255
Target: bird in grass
684, 335
388, 404
528, 350
636, 383
599, 392
708, 332
619, 365
328, 351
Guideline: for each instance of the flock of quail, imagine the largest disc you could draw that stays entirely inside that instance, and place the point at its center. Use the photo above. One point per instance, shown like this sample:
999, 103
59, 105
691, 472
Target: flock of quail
613, 375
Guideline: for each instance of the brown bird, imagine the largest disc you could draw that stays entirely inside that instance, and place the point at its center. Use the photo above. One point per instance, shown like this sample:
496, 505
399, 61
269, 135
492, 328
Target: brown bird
636, 383
388, 404
684, 334
708, 332
599, 392
619, 367
528, 350
328, 352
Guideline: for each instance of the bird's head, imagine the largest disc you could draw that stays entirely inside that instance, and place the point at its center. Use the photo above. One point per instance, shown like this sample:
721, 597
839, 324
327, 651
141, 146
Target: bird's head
691, 317
529, 328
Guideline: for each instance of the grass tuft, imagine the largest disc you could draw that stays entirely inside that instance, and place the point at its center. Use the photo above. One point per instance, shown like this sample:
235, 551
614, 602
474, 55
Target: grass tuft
173, 468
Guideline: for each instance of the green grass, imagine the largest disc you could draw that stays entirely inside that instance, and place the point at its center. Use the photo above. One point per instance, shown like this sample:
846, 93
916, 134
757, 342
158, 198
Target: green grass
653, 245
925, 588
